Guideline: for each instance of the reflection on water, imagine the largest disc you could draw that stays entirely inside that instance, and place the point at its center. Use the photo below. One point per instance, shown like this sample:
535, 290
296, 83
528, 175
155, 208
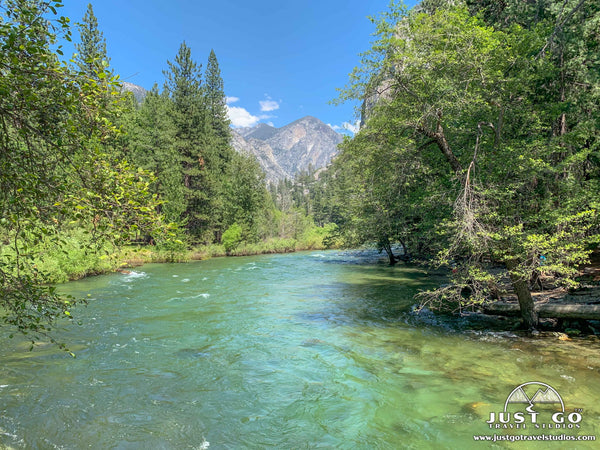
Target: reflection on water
288, 351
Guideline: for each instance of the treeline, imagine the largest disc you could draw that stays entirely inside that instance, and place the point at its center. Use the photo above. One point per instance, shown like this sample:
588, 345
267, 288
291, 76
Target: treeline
479, 146
212, 193
85, 170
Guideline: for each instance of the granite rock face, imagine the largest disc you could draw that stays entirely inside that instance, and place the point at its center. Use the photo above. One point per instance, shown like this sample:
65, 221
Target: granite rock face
284, 152
281, 152
138, 92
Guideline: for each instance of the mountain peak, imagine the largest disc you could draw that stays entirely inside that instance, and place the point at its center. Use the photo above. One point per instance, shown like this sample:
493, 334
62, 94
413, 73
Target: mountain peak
284, 152
138, 91
306, 119
309, 119
262, 131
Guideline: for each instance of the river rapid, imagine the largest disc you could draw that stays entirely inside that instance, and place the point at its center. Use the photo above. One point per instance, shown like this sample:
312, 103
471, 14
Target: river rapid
304, 350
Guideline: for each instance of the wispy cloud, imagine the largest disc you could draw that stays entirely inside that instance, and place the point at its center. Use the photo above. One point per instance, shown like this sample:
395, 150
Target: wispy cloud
347, 126
268, 105
229, 100
239, 117
352, 127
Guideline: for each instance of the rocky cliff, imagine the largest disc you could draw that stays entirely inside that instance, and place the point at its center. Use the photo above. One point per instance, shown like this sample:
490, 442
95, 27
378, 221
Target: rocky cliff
284, 152
138, 92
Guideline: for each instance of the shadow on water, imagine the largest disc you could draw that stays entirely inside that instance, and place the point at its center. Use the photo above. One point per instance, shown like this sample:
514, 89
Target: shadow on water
374, 292
380, 293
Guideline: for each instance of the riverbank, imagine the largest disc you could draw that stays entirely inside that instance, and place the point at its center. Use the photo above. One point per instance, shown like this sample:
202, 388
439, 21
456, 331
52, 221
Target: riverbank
137, 256
72, 265
566, 311
76, 254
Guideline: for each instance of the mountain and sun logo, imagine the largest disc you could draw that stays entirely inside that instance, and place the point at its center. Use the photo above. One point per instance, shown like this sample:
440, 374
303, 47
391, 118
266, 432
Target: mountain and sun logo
544, 394
535, 404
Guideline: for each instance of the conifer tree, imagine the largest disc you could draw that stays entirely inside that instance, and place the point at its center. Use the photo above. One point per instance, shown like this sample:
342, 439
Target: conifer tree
91, 57
245, 195
219, 154
215, 99
151, 139
184, 86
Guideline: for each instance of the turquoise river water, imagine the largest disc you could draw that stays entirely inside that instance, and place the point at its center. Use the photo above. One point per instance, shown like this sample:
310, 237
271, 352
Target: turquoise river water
305, 350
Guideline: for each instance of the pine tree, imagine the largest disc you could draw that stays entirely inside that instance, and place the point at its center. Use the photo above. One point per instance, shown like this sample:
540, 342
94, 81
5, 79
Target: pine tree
184, 86
215, 99
151, 141
217, 137
91, 58
245, 195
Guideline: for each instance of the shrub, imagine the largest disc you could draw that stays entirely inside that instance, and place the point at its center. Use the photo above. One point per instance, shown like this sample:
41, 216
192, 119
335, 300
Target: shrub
232, 237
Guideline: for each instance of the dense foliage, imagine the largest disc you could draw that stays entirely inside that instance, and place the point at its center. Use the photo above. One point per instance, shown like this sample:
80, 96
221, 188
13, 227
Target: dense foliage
479, 142
56, 175
85, 169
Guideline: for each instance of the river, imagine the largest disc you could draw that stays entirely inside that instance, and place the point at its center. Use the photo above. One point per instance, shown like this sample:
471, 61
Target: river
304, 350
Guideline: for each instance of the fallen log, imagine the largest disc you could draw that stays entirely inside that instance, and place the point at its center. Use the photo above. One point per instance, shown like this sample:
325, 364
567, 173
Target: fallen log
554, 310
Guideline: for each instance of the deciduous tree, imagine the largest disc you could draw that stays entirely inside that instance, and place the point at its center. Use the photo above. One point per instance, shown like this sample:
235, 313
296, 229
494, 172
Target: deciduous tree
53, 169
483, 115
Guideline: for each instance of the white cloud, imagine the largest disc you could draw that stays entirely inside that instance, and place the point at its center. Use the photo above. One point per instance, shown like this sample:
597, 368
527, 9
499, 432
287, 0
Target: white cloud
268, 104
347, 126
352, 127
239, 117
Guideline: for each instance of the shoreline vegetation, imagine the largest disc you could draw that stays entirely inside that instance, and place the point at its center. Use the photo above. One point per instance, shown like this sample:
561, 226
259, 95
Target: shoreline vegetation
76, 264
564, 312
568, 313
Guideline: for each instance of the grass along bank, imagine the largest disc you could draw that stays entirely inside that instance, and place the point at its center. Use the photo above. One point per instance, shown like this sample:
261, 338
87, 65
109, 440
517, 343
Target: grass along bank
71, 257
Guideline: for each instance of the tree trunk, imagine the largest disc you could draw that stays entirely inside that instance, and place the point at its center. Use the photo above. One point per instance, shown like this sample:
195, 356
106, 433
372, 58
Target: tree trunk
388, 249
439, 137
558, 311
404, 257
444, 146
526, 304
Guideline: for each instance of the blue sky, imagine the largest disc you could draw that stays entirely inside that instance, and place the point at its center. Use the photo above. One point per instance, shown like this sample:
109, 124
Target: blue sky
280, 60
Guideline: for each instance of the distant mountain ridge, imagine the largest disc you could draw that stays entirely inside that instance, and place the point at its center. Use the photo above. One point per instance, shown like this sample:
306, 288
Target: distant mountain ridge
138, 91
281, 152
262, 132
284, 152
